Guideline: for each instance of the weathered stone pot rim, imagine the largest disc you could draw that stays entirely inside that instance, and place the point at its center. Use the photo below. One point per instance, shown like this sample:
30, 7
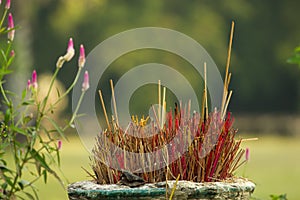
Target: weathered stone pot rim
229, 189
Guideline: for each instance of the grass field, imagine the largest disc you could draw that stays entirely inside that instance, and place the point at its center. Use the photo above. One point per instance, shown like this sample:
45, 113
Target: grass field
274, 166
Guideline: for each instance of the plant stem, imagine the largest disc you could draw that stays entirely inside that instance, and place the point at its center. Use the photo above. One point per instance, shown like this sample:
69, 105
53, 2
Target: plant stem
76, 110
24, 161
40, 116
69, 89
7, 51
4, 94
3, 17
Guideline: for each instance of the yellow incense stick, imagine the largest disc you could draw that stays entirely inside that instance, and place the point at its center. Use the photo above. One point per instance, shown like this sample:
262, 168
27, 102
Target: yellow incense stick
226, 105
249, 139
205, 89
225, 90
114, 101
104, 110
159, 100
174, 187
163, 108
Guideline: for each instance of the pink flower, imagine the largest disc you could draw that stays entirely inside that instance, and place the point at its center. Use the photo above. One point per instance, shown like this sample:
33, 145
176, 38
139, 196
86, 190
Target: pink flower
247, 154
10, 28
28, 84
85, 84
70, 51
34, 80
12, 53
7, 5
81, 60
59, 144
70, 45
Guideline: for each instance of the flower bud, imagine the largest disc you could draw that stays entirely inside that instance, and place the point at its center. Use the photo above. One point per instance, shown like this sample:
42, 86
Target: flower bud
28, 84
34, 80
60, 62
12, 53
81, 60
70, 51
10, 28
7, 5
85, 84
59, 144
247, 154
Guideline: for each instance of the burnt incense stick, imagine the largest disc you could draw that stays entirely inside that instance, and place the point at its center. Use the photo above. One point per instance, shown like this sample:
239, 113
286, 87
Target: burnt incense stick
104, 110
114, 101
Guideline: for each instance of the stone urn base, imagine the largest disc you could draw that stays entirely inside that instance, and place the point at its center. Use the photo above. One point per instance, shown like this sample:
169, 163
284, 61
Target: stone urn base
230, 189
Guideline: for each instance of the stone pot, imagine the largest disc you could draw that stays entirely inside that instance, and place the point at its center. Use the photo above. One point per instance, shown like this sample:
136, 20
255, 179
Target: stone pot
238, 188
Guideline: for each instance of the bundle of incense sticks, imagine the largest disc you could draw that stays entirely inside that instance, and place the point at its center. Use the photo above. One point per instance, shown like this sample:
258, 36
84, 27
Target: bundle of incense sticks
212, 152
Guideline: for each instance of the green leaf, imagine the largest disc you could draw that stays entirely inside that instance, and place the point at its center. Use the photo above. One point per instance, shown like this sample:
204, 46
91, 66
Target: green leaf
10, 61
297, 49
4, 169
35, 193
27, 119
3, 55
4, 186
7, 116
29, 195
58, 129
279, 197
20, 197
58, 157
21, 184
28, 102
294, 60
58, 93
40, 159
45, 176
24, 93
8, 180
3, 162
38, 168
2, 29
33, 139
44, 164
5, 72
18, 169
45, 131
19, 130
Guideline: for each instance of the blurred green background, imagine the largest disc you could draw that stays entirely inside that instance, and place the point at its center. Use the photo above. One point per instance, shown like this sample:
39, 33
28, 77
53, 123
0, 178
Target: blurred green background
266, 99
